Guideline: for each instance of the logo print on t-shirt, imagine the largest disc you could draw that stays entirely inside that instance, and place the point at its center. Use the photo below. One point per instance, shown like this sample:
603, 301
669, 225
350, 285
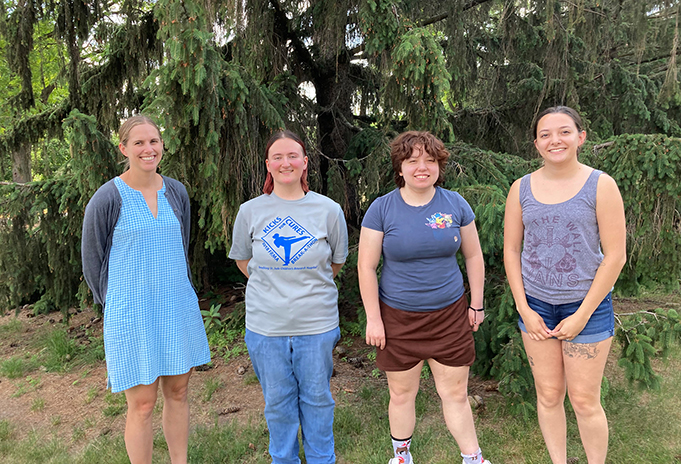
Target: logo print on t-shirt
287, 240
440, 221
552, 258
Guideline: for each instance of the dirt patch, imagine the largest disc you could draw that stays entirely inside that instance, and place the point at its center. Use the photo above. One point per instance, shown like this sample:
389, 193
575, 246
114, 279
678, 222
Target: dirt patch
76, 407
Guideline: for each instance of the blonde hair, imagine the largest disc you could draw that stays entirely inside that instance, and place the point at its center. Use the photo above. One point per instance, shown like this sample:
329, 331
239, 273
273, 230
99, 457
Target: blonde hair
126, 127
137, 120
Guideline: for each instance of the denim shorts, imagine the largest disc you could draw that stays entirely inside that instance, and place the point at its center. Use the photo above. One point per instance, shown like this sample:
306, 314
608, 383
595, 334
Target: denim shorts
601, 324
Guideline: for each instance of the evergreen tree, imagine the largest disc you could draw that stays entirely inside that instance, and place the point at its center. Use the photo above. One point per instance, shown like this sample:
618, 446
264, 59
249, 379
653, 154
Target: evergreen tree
348, 75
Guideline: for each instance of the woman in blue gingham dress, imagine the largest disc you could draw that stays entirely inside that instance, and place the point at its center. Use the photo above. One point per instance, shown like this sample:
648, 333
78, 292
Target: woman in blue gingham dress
152, 324
135, 246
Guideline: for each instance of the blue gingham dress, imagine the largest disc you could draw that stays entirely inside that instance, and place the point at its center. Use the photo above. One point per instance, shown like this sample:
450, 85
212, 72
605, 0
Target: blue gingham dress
152, 322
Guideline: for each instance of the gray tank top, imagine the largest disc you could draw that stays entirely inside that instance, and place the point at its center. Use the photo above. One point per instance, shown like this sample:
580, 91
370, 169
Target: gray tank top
561, 247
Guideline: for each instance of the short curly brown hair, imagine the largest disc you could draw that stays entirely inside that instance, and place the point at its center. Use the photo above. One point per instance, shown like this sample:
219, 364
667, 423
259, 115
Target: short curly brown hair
403, 146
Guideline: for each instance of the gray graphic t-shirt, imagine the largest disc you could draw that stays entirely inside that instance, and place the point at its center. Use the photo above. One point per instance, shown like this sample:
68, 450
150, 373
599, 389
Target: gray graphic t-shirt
561, 246
291, 245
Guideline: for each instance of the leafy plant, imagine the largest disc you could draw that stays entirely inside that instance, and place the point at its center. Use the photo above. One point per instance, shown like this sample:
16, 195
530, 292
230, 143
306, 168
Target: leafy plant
212, 319
644, 335
354, 328
235, 320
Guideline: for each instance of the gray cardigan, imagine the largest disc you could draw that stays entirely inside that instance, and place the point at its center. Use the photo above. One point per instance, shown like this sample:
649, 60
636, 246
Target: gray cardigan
101, 217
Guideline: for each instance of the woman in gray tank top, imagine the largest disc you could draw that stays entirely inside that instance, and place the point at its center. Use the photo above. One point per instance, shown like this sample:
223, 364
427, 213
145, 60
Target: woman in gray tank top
564, 247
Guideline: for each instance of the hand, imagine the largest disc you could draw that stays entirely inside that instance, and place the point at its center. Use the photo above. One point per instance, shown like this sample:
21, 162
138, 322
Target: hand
535, 326
569, 328
375, 334
475, 318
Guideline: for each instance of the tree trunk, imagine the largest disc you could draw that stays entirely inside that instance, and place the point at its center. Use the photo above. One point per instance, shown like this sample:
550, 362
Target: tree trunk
334, 96
21, 164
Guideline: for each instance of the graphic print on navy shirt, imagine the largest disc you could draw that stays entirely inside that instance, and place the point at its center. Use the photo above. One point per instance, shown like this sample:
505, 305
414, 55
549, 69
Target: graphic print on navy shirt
552, 252
439, 221
287, 241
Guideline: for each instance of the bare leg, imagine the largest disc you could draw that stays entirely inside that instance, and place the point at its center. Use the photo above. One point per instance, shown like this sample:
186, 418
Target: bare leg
584, 366
546, 359
138, 431
403, 386
452, 386
176, 415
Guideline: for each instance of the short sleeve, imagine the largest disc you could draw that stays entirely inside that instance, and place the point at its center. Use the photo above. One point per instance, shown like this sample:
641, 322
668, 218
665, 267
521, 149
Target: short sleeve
467, 214
242, 242
373, 219
338, 238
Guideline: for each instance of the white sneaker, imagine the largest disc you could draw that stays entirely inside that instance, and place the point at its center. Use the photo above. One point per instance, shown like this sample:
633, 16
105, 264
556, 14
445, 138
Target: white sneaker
484, 461
396, 461
399, 460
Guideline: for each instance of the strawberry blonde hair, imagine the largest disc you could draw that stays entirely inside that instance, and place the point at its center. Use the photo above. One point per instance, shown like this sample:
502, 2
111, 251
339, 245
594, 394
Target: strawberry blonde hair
268, 188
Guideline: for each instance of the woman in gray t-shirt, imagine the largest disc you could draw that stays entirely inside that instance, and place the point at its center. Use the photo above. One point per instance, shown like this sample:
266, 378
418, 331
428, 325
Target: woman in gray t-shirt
290, 243
564, 247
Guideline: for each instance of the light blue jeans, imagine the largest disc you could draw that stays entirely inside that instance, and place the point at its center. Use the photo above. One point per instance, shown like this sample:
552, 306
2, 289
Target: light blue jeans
294, 373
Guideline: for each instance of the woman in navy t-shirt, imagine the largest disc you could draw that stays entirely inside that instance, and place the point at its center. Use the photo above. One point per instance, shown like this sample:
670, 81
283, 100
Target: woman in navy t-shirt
419, 311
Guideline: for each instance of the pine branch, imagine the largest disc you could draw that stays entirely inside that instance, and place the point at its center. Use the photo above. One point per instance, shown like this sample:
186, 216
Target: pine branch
665, 13
426, 22
17, 184
432, 20
657, 58
600, 147
588, 10
34, 127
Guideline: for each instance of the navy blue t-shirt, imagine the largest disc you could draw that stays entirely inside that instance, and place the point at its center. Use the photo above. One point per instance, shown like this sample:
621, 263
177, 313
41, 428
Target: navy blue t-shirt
420, 272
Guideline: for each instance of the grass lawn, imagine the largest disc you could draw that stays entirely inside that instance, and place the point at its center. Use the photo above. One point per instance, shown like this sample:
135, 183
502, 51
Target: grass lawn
645, 426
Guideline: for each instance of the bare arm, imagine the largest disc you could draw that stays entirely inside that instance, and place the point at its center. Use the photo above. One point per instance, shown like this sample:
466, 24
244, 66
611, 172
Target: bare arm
242, 264
613, 236
475, 269
370, 248
513, 246
336, 268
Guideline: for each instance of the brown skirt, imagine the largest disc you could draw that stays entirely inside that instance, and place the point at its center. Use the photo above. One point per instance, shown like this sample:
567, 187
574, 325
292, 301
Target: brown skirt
444, 335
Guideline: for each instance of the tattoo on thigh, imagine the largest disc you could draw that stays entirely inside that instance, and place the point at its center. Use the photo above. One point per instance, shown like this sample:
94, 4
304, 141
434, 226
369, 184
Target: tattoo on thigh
529, 358
581, 350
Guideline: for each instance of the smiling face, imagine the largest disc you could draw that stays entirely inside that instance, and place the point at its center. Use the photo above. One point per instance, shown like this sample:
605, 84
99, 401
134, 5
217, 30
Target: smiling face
558, 138
286, 162
420, 171
143, 148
